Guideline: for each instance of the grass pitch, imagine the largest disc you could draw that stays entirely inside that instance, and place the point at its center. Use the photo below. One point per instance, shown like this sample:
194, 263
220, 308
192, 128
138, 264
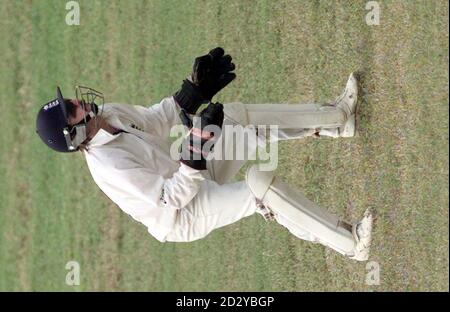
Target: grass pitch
137, 52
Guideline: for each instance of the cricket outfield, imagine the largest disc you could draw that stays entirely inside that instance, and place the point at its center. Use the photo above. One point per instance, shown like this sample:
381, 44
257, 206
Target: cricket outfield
137, 52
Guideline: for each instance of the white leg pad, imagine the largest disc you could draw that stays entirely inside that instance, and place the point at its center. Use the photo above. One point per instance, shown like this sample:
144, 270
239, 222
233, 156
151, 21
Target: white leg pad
299, 214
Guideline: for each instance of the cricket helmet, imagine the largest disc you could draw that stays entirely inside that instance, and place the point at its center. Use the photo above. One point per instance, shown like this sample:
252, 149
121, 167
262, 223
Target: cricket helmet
52, 122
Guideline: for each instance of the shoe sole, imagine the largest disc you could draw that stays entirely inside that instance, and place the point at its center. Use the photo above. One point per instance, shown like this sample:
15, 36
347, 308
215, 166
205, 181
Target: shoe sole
364, 256
350, 128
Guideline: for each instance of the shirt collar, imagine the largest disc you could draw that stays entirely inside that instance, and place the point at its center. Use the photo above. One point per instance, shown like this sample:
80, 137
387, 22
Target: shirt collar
101, 137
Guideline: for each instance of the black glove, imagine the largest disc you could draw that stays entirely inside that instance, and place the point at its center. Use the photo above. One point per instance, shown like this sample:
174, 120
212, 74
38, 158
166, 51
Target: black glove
210, 74
200, 141
212, 115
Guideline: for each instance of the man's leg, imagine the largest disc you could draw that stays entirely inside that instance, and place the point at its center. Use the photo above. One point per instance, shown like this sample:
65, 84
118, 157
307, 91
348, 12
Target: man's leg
307, 220
213, 207
293, 121
216, 206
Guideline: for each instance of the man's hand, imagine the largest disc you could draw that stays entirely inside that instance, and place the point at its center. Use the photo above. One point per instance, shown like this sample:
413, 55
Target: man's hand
213, 72
204, 133
212, 115
210, 74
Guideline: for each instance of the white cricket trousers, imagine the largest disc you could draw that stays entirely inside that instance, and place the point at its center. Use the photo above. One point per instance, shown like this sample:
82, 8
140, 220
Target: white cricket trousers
220, 202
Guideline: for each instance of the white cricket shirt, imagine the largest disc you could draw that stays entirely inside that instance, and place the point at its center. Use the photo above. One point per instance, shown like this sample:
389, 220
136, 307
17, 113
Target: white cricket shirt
135, 169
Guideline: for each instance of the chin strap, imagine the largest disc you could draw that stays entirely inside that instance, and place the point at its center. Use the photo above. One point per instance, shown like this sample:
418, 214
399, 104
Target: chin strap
94, 108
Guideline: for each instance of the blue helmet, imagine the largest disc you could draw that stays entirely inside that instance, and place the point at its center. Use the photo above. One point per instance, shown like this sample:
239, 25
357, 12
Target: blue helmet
52, 124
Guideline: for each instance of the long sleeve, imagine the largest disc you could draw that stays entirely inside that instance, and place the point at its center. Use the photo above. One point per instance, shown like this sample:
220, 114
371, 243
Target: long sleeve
161, 117
157, 119
179, 190
131, 182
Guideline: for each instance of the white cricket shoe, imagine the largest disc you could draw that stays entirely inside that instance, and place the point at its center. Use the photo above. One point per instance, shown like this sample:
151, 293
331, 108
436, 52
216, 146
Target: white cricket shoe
363, 236
347, 102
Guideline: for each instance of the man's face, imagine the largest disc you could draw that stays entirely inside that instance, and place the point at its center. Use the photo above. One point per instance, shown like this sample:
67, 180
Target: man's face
76, 112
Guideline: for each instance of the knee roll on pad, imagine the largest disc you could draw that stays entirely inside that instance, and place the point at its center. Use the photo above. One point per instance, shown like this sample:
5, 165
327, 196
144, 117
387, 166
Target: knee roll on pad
258, 181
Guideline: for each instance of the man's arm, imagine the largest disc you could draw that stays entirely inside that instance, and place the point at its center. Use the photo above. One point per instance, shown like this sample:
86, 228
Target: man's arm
160, 118
139, 190
210, 74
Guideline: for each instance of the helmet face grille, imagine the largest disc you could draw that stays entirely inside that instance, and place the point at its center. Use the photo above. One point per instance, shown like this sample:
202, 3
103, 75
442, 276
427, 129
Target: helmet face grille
86, 95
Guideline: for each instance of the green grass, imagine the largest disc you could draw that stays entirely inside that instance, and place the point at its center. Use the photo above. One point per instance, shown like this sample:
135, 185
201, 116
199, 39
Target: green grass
137, 52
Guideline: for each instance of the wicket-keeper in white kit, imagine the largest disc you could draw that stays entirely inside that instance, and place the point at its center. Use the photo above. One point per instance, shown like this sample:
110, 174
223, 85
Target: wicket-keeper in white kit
184, 198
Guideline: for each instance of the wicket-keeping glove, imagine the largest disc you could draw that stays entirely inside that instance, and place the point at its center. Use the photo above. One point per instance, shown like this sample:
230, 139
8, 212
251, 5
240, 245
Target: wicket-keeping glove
200, 140
210, 74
